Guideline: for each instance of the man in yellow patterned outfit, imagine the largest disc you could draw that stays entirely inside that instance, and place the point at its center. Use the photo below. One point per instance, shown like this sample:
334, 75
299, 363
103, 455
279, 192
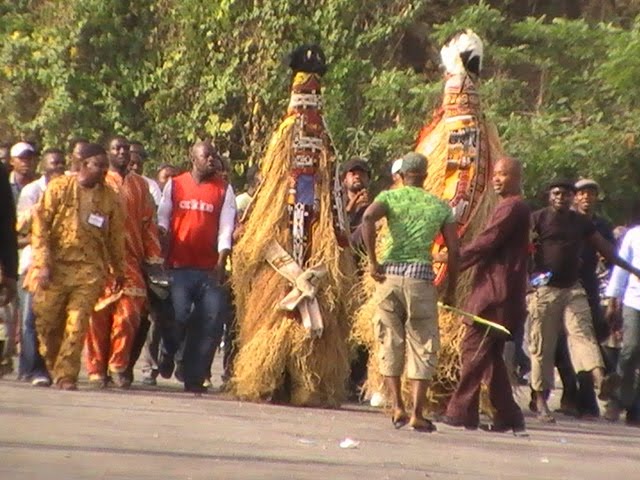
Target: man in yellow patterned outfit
77, 239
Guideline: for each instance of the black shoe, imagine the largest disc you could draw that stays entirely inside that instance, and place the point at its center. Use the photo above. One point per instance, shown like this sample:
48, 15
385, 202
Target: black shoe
195, 388
632, 421
179, 373
121, 380
533, 404
456, 422
517, 428
632, 417
568, 409
609, 385
165, 366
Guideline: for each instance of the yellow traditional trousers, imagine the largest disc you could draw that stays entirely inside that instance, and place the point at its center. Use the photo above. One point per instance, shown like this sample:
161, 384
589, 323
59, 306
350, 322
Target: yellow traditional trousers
62, 314
111, 334
78, 234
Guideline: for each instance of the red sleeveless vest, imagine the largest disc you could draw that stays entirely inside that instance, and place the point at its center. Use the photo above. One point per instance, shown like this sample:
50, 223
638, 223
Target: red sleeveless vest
195, 219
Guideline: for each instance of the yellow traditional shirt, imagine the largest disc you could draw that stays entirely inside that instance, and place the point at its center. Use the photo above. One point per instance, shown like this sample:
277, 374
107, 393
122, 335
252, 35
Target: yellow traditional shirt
79, 232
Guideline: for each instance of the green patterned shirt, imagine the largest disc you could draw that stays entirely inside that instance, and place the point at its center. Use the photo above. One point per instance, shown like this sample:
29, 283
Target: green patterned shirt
415, 217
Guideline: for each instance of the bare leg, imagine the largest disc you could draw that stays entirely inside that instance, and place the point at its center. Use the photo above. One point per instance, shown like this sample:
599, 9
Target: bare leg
419, 391
606, 384
394, 387
598, 376
417, 421
544, 414
399, 418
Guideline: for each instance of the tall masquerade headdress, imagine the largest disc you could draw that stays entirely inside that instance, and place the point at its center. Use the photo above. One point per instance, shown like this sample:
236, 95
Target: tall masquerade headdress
463, 53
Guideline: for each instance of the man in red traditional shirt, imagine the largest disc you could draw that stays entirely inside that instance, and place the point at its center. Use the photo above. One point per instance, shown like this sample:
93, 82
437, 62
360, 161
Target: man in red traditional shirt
197, 216
114, 325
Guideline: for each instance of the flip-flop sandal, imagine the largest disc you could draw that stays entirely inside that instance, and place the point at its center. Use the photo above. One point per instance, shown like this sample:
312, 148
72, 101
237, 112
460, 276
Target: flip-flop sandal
400, 420
546, 418
423, 426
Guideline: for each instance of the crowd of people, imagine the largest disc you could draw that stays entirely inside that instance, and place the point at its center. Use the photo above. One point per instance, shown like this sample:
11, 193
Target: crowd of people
95, 244
127, 268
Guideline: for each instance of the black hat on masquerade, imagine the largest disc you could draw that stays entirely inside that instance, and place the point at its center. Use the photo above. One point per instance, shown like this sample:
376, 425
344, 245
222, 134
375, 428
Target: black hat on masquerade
308, 59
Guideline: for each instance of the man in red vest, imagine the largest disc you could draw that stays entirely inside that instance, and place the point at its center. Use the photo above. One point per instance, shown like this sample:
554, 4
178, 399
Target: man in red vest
196, 215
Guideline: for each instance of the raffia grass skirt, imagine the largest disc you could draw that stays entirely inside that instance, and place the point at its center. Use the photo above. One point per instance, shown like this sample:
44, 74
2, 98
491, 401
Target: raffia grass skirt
447, 374
275, 354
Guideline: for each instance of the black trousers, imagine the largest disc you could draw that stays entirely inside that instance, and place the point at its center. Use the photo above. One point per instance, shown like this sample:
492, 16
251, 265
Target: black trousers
161, 311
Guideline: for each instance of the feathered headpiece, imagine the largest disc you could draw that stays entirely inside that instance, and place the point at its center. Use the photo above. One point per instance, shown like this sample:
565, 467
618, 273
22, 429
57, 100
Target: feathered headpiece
308, 59
463, 53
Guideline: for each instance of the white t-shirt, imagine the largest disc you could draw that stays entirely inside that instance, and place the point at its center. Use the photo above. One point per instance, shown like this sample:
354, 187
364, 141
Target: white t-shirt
154, 189
29, 197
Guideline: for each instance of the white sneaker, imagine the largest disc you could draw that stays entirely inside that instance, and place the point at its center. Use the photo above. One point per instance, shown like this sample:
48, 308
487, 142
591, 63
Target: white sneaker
377, 400
41, 381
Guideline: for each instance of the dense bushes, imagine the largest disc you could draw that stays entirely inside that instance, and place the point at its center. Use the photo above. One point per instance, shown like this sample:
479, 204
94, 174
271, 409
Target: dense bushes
563, 93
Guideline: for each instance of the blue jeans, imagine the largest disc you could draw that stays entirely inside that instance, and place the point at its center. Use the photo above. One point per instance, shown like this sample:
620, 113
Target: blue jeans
196, 304
629, 359
225, 315
31, 363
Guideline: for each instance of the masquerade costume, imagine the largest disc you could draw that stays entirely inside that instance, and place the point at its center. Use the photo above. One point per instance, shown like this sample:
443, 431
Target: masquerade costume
292, 275
461, 148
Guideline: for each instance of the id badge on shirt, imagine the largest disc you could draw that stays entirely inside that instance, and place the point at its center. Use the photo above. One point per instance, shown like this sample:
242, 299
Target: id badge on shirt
96, 220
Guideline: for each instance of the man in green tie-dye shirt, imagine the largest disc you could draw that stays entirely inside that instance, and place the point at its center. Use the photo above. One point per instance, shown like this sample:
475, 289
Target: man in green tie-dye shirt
406, 318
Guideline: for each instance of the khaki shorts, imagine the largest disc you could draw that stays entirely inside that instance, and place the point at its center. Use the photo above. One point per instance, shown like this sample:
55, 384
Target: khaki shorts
406, 327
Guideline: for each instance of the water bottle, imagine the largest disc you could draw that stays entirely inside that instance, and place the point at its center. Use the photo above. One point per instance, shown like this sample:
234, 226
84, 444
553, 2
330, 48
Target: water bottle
540, 279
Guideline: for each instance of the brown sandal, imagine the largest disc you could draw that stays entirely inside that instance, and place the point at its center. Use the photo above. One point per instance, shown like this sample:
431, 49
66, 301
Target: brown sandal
66, 384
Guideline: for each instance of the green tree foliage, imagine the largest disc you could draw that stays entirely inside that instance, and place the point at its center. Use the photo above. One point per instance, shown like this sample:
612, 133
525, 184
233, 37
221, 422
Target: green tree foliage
561, 88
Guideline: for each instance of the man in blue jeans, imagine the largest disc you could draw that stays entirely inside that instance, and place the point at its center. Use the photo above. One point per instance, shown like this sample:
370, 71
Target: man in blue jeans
196, 216
624, 291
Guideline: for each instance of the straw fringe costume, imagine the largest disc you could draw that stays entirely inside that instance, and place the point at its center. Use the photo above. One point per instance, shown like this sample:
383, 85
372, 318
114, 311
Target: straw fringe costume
461, 146
292, 275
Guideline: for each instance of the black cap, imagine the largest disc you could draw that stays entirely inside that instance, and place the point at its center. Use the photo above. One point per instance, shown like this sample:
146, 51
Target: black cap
562, 182
356, 163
